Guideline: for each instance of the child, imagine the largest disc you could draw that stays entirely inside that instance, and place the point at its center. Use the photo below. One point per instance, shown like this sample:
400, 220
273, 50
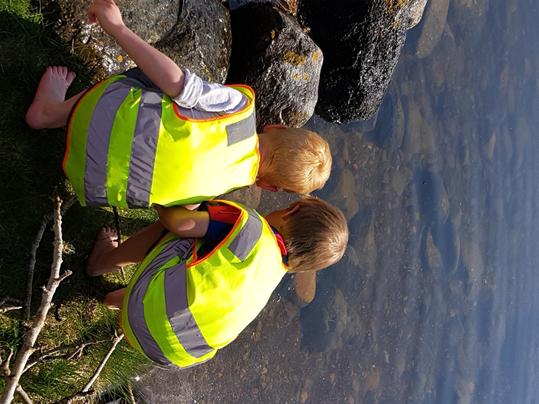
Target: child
167, 137
204, 281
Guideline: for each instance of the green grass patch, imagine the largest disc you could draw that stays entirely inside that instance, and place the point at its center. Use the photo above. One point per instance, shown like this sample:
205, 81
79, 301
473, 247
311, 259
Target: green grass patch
30, 171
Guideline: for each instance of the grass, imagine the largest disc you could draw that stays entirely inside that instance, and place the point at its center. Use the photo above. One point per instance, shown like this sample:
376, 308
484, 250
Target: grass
30, 171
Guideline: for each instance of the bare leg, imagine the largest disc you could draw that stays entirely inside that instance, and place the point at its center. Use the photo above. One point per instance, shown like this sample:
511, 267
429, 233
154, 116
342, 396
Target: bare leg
107, 256
50, 109
114, 300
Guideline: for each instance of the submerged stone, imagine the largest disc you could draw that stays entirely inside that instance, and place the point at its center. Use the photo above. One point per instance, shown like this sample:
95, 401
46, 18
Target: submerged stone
433, 27
361, 42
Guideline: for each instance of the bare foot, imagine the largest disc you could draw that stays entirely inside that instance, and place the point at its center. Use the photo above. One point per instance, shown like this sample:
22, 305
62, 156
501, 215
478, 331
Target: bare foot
51, 92
105, 242
114, 300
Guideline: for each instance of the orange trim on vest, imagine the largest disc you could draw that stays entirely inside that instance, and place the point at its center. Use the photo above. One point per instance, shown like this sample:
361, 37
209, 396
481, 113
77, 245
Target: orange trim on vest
196, 260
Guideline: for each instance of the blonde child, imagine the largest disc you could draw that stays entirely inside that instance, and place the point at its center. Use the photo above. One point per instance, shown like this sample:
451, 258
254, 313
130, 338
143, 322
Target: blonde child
158, 134
206, 274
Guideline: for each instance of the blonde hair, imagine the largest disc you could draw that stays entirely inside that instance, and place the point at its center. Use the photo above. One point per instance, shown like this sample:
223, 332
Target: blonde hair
299, 160
315, 235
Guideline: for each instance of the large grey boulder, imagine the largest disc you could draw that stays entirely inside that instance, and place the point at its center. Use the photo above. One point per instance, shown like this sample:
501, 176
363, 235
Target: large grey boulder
272, 54
361, 41
195, 34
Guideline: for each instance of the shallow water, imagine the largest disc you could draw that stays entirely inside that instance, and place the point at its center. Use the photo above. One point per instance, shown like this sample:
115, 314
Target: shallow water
435, 300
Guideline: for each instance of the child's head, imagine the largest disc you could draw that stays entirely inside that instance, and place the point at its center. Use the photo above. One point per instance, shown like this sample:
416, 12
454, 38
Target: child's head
315, 233
293, 159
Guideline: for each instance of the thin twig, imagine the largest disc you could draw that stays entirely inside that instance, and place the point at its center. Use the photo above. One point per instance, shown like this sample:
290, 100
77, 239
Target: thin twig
5, 309
78, 352
131, 394
39, 318
60, 353
116, 341
87, 389
6, 363
9, 304
24, 396
32, 264
33, 255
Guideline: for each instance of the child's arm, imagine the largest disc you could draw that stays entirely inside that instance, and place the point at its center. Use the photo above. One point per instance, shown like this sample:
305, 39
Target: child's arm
157, 66
184, 222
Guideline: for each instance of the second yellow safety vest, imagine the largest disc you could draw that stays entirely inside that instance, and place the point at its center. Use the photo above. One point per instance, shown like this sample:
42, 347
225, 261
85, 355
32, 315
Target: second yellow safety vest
180, 309
129, 146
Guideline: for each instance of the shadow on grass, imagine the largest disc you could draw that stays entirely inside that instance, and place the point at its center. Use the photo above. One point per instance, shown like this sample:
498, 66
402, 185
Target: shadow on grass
30, 168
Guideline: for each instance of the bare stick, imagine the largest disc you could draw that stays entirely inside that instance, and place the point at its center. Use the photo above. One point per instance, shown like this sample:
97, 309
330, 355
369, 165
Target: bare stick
86, 390
60, 353
116, 341
5, 309
5, 365
130, 392
24, 353
9, 304
32, 264
33, 253
24, 396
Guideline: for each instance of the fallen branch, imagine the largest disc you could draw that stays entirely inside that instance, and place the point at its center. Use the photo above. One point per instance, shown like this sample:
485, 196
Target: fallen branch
60, 353
23, 395
9, 304
86, 390
5, 309
115, 342
33, 254
27, 349
5, 364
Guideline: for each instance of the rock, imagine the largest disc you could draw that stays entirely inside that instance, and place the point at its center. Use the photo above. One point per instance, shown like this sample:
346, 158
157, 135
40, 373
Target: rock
201, 40
249, 196
489, 147
194, 34
345, 194
400, 180
352, 256
419, 138
447, 61
472, 257
390, 127
319, 319
465, 390
434, 258
468, 17
272, 54
361, 42
290, 6
372, 379
432, 196
414, 12
433, 27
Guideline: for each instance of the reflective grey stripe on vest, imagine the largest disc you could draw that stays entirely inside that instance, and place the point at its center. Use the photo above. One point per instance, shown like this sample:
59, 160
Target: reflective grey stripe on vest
247, 237
135, 308
97, 145
180, 317
139, 181
241, 130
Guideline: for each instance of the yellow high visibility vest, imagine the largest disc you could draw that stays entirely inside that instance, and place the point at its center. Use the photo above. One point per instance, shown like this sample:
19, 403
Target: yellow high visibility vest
129, 146
179, 309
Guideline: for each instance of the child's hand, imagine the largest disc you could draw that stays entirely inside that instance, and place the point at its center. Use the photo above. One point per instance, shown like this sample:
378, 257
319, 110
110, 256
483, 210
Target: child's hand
107, 14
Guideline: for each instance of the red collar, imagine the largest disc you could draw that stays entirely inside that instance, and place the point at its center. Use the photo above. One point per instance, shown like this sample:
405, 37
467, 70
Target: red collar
280, 243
